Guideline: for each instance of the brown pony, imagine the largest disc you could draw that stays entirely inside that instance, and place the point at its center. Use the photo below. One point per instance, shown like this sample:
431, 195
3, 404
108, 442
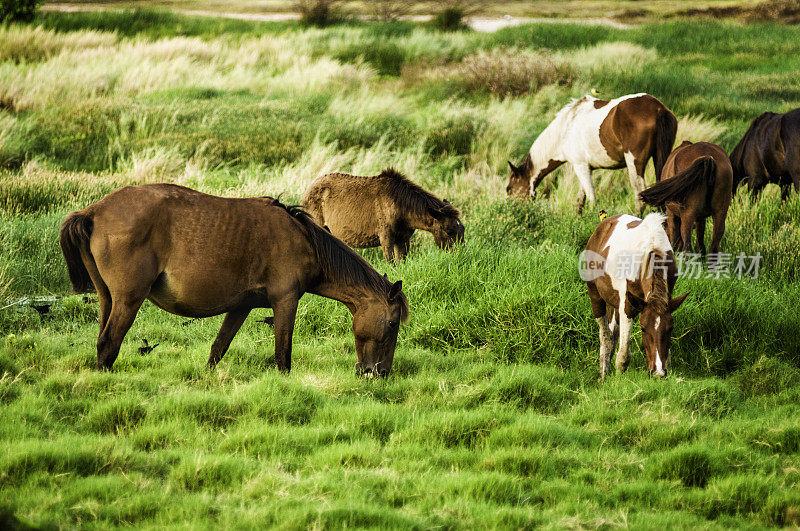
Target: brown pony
383, 210
696, 184
589, 133
629, 269
199, 255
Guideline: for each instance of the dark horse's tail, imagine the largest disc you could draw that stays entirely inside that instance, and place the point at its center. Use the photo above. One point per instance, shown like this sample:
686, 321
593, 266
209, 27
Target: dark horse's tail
666, 129
75, 233
702, 172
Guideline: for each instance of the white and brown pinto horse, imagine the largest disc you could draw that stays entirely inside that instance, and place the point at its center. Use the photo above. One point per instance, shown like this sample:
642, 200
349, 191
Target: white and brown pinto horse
590, 133
629, 268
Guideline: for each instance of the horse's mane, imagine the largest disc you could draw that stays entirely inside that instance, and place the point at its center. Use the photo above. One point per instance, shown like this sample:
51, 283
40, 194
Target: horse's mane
657, 247
338, 261
412, 196
658, 298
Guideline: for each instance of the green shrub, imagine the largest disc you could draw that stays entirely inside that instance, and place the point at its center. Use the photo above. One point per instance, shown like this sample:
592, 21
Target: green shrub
765, 377
318, 12
18, 10
449, 19
512, 73
453, 137
694, 466
385, 56
116, 416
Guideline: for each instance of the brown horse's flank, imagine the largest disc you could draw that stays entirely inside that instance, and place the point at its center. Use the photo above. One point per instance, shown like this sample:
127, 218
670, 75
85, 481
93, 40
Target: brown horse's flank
697, 184
199, 255
382, 210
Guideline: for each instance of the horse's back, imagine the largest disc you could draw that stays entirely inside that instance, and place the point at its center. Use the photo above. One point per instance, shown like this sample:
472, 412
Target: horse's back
353, 207
198, 254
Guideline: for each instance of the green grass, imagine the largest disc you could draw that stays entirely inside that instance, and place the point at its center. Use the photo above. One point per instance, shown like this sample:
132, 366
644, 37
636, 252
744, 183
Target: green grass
493, 416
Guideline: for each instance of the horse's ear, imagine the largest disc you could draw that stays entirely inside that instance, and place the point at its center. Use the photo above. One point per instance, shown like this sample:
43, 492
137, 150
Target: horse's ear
437, 214
635, 301
675, 303
513, 168
397, 287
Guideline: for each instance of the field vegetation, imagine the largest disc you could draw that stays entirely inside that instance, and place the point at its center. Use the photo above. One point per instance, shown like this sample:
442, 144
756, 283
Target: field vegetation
493, 415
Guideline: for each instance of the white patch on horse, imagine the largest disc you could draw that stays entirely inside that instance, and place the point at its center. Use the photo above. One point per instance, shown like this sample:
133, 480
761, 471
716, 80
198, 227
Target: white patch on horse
628, 248
658, 322
659, 367
574, 135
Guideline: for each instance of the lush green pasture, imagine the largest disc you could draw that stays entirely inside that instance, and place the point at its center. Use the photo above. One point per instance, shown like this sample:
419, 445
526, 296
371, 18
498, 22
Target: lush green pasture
493, 415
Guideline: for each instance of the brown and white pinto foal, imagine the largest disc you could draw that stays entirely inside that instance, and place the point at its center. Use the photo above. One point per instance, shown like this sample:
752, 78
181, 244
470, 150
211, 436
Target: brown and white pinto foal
590, 133
629, 268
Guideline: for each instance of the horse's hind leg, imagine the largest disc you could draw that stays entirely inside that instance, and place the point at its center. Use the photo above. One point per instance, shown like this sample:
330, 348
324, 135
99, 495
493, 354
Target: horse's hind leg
688, 217
636, 177
700, 225
719, 230
230, 325
674, 231
284, 313
103, 295
123, 312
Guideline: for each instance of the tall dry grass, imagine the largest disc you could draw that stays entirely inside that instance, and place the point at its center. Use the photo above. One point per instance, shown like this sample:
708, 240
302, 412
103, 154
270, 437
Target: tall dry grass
20, 43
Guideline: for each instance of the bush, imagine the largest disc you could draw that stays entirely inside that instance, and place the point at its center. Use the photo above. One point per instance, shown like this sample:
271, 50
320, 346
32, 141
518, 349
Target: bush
18, 10
449, 19
693, 466
389, 10
317, 12
787, 11
507, 73
386, 57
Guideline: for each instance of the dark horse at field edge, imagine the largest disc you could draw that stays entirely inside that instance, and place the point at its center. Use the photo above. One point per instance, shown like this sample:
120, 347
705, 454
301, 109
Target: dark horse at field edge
769, 152
199, 255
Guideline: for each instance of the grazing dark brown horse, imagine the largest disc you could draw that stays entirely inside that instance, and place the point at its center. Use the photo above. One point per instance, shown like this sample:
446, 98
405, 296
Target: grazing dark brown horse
629, 269
769, 152
383, 210
199, 255
590, 133
695, 184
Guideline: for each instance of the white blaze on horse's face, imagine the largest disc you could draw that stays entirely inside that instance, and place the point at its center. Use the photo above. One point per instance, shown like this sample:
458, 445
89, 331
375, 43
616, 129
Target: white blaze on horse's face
656, 336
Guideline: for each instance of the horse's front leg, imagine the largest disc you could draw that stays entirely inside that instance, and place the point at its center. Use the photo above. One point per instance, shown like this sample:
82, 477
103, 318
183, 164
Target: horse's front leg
401, 246
623, 351
230, 325
387, 245
606, 345
584, 174
284, 313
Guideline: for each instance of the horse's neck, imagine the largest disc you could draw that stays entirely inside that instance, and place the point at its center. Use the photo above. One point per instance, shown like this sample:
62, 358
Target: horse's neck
354, 297
547, 145
420, 221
